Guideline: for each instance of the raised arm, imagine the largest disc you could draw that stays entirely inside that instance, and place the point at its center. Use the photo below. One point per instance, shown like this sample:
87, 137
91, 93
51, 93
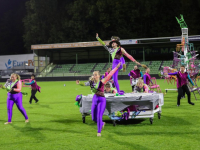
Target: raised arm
190, 80
104, 45
32, 82
129, 56
107, 78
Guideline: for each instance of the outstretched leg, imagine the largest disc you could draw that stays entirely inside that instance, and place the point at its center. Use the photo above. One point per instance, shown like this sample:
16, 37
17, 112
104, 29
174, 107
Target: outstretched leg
94, 108
115, 75
10, 104
186, 90
33, 92
101, 105
180, 94
115, 78
30, 101
20, 106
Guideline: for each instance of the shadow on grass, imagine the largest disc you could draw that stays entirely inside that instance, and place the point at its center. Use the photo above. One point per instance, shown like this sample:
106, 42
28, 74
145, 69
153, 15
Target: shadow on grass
29, 131
44, 106
161, 133
126, 122
66, 121
41, 105
164, 121
130, 144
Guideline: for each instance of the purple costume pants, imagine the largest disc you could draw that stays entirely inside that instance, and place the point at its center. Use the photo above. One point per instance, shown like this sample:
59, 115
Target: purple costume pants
17, 99
97, 110
115, 75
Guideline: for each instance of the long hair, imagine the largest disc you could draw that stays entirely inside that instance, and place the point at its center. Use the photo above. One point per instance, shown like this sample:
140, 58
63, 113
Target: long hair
18, 76
139, 81
92, 78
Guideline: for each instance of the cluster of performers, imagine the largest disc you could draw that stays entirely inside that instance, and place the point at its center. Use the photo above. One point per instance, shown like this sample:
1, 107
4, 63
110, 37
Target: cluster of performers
107, 84
101, 85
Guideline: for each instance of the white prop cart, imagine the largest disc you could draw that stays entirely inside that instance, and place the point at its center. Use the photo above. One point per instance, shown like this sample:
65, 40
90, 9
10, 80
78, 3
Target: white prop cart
147, 105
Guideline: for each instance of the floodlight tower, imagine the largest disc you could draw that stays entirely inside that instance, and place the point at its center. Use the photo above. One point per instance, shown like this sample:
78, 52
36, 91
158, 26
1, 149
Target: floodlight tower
185, 47
184, 41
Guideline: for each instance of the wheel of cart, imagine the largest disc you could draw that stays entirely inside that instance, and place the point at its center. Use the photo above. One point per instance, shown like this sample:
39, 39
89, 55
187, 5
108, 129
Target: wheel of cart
151, 120
159, 115
114, 122
83, 119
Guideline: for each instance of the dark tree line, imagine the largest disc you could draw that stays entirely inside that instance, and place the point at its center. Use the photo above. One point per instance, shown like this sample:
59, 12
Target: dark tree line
11, 26
57, 21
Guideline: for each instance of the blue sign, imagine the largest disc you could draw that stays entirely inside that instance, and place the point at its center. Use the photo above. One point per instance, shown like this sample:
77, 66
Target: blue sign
15, 63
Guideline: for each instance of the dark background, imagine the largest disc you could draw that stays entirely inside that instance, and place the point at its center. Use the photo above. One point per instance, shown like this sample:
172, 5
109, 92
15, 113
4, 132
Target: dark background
27, 22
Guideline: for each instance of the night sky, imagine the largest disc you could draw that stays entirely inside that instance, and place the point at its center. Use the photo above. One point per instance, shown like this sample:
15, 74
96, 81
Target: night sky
12, 13
59, 21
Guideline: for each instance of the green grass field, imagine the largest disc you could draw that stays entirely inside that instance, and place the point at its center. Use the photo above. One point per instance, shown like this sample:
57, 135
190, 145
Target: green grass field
56, 123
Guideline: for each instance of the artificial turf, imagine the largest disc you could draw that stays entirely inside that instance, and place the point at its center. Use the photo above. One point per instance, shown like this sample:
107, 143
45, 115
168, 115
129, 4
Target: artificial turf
56, 123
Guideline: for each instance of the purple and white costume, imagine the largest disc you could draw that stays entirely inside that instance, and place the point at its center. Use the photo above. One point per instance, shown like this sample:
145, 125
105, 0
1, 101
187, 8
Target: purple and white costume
15, 96
117, 57
98, 106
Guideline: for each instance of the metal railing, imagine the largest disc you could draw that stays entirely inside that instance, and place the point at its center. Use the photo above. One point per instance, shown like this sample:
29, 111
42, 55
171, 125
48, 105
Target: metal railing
8, 72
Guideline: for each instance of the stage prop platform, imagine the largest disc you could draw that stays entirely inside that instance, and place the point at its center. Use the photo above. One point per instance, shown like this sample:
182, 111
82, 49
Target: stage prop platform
128, 106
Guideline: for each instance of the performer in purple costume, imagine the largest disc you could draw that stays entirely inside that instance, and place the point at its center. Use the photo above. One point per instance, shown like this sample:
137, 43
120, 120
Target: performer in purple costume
117, 53
34, 88
147, 77
15, 96
141, 87
182, 87
99, 100
135, 74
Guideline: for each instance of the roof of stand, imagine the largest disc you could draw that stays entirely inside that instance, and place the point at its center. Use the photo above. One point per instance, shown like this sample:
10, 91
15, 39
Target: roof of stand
142, 41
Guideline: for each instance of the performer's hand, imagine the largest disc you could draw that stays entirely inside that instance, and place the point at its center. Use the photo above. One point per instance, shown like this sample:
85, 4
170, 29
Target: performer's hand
77, 81
118, 65
193, 87
97, 35
131, 77
144, 66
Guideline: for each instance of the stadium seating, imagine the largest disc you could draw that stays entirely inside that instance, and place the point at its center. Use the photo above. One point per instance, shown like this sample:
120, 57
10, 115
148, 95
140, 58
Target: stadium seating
88, 68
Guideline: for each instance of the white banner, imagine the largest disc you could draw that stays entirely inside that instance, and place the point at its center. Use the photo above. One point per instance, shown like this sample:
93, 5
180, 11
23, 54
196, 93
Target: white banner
79, 44
24, 61
128, 42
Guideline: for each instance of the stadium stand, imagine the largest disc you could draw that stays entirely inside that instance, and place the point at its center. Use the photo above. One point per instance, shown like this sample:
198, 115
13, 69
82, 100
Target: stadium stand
88, 68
